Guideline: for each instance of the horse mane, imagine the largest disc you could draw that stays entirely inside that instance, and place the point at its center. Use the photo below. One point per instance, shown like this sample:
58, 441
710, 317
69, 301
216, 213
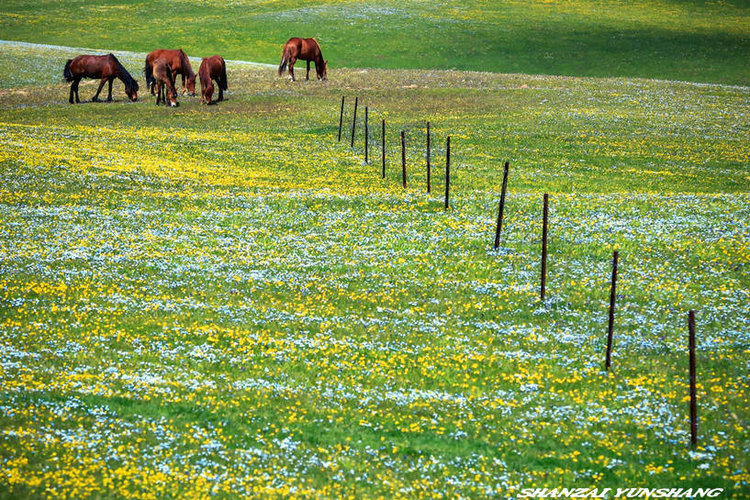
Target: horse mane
185, 62
130, 82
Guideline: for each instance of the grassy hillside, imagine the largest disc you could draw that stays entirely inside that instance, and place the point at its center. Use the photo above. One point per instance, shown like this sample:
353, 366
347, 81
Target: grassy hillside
677, 40
225, 300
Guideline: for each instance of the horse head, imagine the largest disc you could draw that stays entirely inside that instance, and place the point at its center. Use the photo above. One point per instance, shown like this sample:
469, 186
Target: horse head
132, 91
172, 97
190, 85
323, 73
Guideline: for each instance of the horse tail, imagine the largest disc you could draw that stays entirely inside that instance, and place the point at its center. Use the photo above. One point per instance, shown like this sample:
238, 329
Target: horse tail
148, 72
284, 60
67, 73
223, 83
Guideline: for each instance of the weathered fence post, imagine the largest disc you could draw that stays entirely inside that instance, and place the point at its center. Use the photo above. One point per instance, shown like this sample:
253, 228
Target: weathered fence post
367, 134
611, 324
693, 395
341, 117
403, 158
544, 246
502, 206
354, 121
428, 157
383, 137
447, 171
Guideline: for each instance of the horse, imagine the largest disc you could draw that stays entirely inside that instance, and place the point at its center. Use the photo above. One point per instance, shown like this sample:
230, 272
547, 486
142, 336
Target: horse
164, 77
212, 68
180, 64
107, 68
305, 49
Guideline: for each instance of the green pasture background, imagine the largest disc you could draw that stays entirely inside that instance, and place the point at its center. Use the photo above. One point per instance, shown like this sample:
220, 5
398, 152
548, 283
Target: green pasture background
702, 41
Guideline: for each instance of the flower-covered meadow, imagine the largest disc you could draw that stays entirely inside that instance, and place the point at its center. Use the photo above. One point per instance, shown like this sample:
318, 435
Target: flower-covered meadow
226, 301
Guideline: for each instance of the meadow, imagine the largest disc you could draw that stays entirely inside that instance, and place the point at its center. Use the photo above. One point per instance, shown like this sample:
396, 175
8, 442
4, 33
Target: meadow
226, 301
693, 40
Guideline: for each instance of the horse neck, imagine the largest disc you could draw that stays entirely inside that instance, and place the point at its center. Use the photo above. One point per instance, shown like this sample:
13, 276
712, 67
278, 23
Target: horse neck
186, 64
205, 75
121, 73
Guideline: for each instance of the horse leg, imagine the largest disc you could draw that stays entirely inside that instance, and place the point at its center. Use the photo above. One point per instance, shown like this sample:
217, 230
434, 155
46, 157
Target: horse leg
158, 93
109, 95
307, 76
184, 88
76, 83
101, 86
221, 92
291, 66
72, 91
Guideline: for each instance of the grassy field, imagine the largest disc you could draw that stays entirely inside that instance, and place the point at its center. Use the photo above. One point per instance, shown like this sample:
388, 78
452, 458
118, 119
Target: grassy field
693, 40
226, 301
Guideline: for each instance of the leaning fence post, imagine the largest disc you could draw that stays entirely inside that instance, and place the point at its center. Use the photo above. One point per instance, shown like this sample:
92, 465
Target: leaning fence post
403, 158
367, 134
447, 171
341, 117
383, 145
354, 121
502, 207
693, 395
610, 327
428, 157
544, 246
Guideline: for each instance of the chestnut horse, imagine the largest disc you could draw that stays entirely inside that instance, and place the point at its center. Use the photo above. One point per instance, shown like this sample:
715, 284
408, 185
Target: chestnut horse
164, 77
180, 64
212, 68
305, 49
107, 68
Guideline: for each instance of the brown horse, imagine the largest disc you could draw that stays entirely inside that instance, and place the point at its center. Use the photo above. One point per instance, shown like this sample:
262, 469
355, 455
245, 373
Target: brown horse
164, 77
305, 49
212, 68
180, 64
107, 68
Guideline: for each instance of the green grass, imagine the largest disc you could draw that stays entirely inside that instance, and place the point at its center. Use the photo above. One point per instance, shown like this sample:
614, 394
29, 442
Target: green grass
224, 300
676, 40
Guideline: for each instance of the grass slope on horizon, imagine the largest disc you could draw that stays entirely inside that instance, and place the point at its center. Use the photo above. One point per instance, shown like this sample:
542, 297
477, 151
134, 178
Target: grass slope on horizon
675, 40
225, 301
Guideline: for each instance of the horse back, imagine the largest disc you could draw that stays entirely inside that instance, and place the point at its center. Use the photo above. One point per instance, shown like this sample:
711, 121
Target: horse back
174, 57
93, 66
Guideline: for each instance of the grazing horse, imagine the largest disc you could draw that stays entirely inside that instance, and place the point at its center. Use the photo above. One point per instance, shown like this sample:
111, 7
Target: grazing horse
164, 77
212, 68
107, 68
180, 64
305, 49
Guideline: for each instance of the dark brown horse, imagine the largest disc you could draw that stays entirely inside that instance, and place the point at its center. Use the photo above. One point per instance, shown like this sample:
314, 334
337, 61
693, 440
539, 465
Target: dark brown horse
212, 68
305, 49
164, 77
180, 64
107, 68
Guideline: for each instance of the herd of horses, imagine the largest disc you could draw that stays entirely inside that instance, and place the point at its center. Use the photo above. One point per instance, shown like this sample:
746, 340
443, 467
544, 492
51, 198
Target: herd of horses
163, 65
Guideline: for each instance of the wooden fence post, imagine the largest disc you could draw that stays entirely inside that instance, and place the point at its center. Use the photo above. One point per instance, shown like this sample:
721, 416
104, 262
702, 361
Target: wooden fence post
428, 157
367, 134
693, 394
502, 206
354, 121
341, 117
383, 137
611, 324
544, 246
403, 158
447, 172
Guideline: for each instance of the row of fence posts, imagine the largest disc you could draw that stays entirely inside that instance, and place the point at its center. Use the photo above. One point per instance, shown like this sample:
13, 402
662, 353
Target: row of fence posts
545, 221
403, 148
